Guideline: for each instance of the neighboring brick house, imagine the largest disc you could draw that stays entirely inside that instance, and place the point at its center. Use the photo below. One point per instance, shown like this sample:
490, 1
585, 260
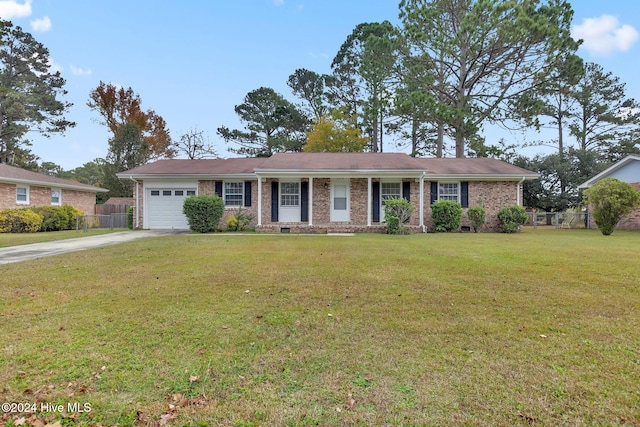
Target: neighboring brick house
21, 188
626, 170
324, 192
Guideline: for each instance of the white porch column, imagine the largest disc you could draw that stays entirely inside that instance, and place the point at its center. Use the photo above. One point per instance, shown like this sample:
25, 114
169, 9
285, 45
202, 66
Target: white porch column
310, 200
369, 191
422, 202
259, 201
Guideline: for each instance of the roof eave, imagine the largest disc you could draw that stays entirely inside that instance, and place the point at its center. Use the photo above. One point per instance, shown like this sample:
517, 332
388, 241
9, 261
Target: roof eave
90, 189
484, 177
197, 176
325, 173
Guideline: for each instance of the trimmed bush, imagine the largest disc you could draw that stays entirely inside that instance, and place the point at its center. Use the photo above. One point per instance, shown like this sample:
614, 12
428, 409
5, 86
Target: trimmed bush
447, 215
57, 218
511, 218
397, 212
611, 199
19, 221
477, 217
203, 212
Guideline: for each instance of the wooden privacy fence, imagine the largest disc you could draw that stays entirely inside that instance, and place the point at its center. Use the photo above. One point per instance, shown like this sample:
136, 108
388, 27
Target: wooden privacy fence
107, 209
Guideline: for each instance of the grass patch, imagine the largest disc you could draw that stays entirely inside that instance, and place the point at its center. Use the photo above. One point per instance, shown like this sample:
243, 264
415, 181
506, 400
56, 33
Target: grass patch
536, 328
16, 239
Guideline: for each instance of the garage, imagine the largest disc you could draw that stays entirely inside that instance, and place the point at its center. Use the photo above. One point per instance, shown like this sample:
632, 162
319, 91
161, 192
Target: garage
164, 208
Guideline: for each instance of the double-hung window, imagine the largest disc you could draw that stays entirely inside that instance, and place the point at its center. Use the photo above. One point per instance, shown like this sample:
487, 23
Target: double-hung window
56, 194
233, 193
390, 190
449, 191
22, 195
290, 194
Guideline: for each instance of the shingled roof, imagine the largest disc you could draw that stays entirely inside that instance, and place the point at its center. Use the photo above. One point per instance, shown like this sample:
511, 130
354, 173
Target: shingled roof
13, 175
332, 162
234, 166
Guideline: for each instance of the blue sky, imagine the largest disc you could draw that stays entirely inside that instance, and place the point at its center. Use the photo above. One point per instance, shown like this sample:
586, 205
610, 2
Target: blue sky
192, 61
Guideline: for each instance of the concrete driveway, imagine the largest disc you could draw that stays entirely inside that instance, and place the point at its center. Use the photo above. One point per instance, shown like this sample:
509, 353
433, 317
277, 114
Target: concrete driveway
40, 250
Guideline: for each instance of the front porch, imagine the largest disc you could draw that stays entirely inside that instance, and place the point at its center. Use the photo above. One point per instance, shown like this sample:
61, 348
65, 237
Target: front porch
335, 204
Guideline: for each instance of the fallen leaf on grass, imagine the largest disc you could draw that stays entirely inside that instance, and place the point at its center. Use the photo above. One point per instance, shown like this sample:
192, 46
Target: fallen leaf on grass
350, 401
193, 378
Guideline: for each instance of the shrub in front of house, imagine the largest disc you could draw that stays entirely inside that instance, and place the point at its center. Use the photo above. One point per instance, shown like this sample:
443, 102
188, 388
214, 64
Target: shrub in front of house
57, 218
477, 217
397, 213
19, 221
447, 215
203, 212
511, 218
240, 221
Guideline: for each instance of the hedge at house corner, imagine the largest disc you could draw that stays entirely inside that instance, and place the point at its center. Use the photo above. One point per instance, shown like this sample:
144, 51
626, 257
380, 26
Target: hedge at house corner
203, 212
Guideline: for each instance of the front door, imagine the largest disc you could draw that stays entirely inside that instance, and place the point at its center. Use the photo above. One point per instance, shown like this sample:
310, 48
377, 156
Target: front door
290, 201
340, 205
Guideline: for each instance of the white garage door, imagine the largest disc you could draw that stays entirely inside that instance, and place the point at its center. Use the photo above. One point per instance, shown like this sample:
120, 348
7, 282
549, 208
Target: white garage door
164, 208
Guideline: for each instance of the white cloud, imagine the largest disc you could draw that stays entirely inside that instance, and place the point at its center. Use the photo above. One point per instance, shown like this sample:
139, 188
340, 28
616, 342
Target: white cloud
278, 2
77, 71
315, 55
604, 35
10, 9
41, 25
53, 67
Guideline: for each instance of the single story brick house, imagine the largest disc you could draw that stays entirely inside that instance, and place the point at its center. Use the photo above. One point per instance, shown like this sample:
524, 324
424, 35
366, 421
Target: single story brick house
626, 170
324, 192
21, 188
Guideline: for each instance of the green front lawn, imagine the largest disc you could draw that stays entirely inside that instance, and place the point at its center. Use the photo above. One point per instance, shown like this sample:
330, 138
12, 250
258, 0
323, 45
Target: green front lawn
537, 328
16, 239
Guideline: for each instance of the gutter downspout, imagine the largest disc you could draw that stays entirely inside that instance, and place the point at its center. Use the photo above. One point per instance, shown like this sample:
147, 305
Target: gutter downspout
424, 229
518, 197
137, 196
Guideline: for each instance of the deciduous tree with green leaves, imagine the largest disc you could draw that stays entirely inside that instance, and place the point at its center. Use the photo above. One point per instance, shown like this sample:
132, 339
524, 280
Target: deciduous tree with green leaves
610, 200
30, 92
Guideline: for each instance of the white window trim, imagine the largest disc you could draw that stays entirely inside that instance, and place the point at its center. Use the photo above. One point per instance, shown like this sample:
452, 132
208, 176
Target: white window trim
23, 202
387, 181
450, 182
281, 195
224, 193
59, 190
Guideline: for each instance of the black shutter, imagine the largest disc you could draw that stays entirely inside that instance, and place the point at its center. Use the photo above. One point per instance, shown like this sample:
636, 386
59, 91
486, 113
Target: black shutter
375, 201
219, 188
434, 192
464, 194
247, 193
406, 190
304, 201
274, 201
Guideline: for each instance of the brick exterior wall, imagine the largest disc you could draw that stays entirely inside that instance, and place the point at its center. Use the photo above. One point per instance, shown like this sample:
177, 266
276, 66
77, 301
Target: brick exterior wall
41, 196
209, 187
491, 195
